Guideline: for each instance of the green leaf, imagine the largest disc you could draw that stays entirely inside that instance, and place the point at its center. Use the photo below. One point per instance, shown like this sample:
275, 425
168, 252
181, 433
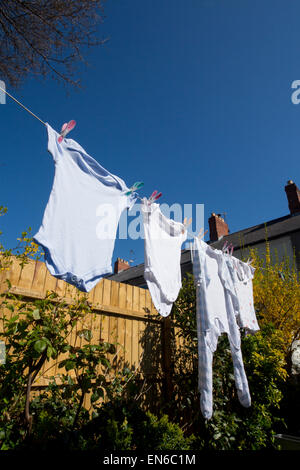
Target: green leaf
36, 314
94, 397
50, 351
105, 362
40, 345
99, 393
70, 380
13, 319
85, 383
69, 365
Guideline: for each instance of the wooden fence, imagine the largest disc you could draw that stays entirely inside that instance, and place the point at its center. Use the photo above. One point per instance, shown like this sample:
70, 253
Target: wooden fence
121, 313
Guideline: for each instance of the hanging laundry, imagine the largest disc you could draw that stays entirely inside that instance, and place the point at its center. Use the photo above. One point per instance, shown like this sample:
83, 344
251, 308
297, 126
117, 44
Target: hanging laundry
215, 315
163, 240
242, 275
80, 221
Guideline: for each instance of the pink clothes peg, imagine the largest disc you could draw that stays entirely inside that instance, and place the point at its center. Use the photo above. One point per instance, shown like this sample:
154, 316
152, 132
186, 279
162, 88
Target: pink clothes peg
230, 249
154, 196
66, 128
224, 246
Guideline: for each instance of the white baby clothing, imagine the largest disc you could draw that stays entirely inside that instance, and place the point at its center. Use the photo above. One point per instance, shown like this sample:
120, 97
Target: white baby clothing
215, 315
80, 221
163, 240
242, 275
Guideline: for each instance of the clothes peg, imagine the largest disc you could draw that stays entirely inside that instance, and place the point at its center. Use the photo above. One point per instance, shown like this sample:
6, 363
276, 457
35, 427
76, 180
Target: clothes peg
224, 246
186, 224
135, 186
154, 196
230, 248
201, 235
66, 128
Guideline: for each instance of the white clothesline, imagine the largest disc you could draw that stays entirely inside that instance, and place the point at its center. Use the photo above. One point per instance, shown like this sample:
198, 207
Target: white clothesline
24, 107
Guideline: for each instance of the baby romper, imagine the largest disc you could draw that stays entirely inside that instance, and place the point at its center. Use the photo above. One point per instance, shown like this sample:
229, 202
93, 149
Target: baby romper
215, 316
163, 240
80, 221
242, 275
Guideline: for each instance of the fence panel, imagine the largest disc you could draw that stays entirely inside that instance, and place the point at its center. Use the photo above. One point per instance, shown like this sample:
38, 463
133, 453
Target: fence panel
121, 313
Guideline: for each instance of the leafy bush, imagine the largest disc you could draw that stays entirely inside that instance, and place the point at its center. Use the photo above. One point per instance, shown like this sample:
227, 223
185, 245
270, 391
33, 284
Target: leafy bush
124, 425
232, 427
34, 333
38, 331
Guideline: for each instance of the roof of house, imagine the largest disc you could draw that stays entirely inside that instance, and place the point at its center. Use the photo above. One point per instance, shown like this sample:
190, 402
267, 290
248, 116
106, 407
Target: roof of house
246, 237
273, 229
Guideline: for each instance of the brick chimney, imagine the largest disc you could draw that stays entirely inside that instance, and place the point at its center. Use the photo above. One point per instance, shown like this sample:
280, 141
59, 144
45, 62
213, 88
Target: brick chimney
217, 227
293, 195
121, 265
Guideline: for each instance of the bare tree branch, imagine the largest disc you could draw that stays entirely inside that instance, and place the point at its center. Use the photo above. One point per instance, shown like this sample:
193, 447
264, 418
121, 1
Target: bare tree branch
42, 37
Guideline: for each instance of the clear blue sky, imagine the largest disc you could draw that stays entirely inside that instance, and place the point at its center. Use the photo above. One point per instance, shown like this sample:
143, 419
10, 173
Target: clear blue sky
193, 98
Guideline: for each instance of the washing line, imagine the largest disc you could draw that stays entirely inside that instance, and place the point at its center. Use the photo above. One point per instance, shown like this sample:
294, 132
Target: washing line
20, 104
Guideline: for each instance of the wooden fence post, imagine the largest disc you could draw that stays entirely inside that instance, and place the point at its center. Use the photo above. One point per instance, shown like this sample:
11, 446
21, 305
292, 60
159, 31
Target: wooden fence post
167, 357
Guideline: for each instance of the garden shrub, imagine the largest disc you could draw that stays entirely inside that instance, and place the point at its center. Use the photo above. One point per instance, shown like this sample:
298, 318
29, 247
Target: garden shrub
232, 427
123, 424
